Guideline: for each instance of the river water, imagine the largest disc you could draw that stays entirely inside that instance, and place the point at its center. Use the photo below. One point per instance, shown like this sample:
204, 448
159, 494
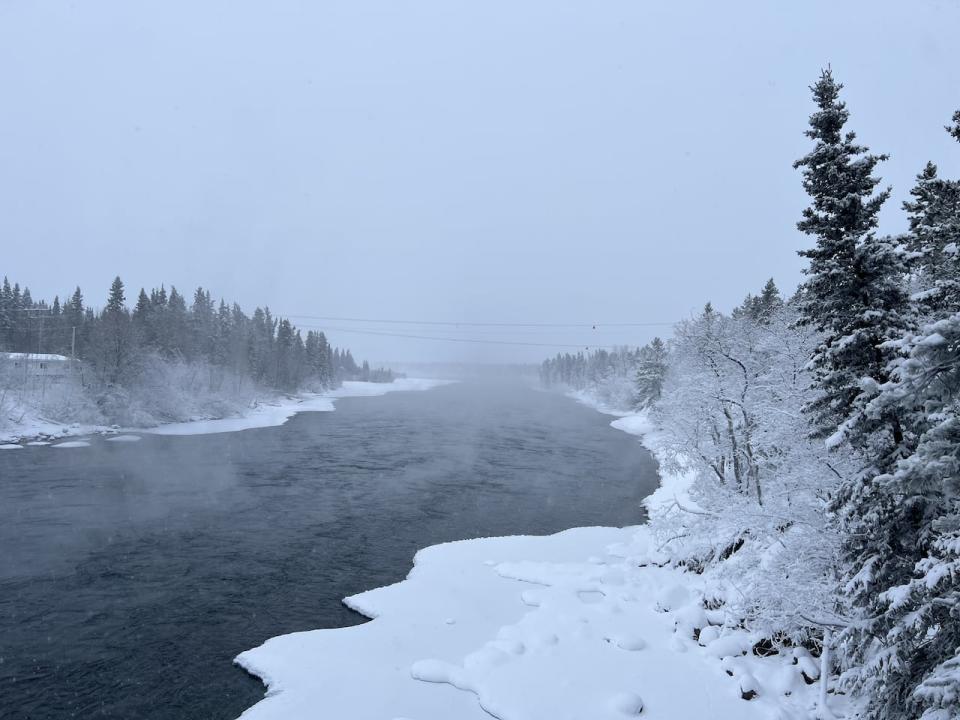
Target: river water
131, 574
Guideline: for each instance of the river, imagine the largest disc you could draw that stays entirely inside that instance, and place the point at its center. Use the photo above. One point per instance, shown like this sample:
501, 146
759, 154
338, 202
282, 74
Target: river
131, 574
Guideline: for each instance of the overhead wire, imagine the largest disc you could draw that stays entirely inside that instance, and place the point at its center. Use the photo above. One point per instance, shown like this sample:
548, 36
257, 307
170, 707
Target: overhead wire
466, 323
463, 340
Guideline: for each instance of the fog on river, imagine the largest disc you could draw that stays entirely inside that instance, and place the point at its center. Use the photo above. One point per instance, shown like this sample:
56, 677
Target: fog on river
133, 573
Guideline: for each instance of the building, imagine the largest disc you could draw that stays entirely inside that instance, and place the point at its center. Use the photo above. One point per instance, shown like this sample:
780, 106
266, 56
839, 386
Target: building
38, 365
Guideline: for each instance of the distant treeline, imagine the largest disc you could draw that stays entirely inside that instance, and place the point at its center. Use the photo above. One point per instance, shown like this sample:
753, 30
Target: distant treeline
117, 344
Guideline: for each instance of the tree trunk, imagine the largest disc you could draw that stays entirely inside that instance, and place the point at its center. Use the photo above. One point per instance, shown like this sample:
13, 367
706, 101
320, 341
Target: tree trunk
822, 710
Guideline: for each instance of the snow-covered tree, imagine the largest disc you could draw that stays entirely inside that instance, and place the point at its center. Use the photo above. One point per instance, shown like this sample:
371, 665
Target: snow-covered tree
920, 616
731, 414
651, 371
855, 296
852, 294
911, 661
934, 242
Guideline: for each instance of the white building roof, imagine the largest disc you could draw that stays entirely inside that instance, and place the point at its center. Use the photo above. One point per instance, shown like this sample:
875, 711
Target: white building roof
36, 357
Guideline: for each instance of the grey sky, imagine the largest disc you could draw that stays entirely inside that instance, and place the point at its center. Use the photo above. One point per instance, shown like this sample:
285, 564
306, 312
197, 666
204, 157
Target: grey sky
540, 161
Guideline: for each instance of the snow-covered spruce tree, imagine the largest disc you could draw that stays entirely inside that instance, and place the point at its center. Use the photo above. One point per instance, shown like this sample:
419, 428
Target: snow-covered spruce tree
760, 308
934, 242
651, 370
854, 295
918, 658
116, 357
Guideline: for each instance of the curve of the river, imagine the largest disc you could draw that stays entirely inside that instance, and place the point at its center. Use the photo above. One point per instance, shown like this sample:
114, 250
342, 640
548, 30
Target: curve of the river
131, 574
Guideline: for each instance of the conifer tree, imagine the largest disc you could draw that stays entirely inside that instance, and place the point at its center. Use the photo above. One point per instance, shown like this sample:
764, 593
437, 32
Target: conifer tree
916, 665
176, 327
115, 342
6, 316
142, 308
934, 242
651, 371
852, 293
854, 296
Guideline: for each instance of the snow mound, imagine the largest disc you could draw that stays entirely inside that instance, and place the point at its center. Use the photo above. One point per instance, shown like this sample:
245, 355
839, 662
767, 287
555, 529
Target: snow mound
10, 446
124, 438
279, 411
526, 644
367, 389
72, 444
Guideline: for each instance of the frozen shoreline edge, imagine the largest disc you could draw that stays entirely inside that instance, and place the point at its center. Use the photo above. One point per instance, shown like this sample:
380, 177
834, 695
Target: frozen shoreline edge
273, 412
596, 614
365, 603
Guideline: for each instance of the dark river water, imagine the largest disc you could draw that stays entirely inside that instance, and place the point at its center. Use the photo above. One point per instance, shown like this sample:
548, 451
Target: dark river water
132, 574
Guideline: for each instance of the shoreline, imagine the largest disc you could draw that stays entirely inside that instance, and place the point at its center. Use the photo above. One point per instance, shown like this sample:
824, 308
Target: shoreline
595, 619
271, 412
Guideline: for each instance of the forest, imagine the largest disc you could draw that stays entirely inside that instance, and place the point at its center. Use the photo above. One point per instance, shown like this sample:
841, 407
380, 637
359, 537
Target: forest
822, 431
167, 359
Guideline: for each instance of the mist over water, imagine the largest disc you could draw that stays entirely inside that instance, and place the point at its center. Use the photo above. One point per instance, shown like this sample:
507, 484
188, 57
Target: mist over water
132, 574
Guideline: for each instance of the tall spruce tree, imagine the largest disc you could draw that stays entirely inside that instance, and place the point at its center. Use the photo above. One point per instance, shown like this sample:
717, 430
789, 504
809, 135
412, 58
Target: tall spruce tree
116, 357
651, 372
917, 667
854, 296
852, 292
934, 242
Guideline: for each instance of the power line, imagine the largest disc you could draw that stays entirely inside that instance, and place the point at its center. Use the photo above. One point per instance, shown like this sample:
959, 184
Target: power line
465, 340
452, 323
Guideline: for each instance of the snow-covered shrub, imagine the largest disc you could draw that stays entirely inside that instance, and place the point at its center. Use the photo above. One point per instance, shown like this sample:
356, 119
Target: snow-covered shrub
755, 520
176, 390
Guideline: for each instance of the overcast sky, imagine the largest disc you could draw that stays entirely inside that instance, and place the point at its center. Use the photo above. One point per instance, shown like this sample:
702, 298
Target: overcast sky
489, 161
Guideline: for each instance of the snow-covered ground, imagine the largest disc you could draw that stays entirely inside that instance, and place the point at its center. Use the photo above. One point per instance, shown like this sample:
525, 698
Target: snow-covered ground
268, 413
581, 625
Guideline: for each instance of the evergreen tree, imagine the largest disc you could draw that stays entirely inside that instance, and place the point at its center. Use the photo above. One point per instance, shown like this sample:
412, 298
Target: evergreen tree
176, 326
920, 614
221, 335
6, 316
74, 316
283, 357
916, 659
934, 242
760, 308
116, 299
116, 358
142, 320
854, 296
651, 371
201, 324
852, 292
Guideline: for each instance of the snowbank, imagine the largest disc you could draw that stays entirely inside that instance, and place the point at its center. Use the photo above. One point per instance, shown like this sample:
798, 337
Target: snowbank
582, 625
30, 424
279, 411
577, 625
268, 413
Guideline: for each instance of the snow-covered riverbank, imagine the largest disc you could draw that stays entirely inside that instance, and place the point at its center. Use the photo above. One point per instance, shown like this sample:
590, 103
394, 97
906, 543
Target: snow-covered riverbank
585, 624
269, 412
